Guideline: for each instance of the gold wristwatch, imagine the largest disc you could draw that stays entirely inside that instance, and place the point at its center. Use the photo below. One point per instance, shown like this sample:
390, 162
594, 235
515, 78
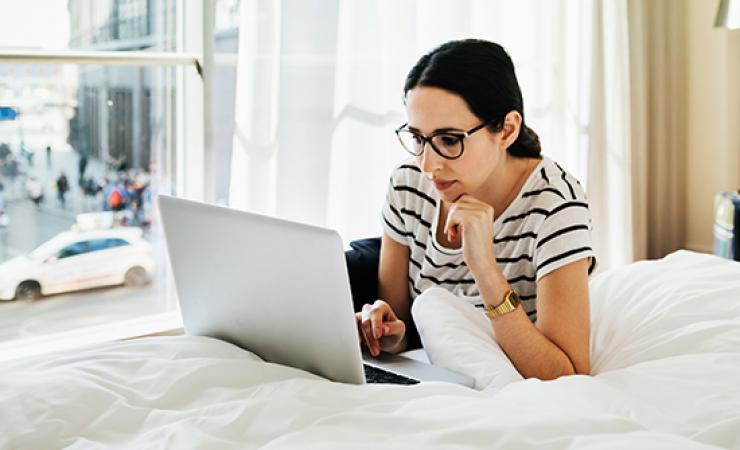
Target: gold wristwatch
510, 303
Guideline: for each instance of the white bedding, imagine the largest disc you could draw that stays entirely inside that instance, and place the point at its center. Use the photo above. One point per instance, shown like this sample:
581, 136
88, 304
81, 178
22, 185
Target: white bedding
665, 353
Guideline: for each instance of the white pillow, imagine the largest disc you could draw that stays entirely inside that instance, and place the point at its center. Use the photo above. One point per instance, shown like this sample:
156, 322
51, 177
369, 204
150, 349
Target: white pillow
459, 337
684, 303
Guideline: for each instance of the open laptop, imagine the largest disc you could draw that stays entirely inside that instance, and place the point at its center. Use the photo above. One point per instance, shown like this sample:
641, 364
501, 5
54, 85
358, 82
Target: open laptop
277, 288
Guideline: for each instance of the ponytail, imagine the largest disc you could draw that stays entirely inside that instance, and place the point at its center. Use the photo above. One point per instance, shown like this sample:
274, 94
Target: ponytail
527, 144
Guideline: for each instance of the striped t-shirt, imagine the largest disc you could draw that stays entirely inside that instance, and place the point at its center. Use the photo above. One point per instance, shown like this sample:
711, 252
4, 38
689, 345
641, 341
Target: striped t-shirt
547, 226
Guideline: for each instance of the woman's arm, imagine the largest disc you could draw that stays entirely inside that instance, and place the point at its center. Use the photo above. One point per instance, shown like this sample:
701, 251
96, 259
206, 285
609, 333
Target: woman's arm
393, 284
559, 344
564, 314
383, 325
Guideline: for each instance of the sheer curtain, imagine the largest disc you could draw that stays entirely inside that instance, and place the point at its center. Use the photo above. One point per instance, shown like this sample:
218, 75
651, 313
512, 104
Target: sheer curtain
320, 84
610, 156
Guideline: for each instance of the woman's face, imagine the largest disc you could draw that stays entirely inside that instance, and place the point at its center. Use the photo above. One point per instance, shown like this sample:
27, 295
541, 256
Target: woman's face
431, 109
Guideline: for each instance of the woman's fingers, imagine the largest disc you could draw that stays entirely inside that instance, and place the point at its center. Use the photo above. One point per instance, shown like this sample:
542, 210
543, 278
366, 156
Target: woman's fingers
449, 223
454, 221
368, 324
466, 209
358, 321
379, 327
376, 324
361, 333
393, 333
380, 315
370, 341
394, 328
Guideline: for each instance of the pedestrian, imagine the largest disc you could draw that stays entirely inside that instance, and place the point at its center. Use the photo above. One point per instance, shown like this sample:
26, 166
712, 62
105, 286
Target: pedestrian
82, 166
26, 153
12, 172
62, 188
4, 220
35, 191
48, 156
90, 189
108, 187
116, 197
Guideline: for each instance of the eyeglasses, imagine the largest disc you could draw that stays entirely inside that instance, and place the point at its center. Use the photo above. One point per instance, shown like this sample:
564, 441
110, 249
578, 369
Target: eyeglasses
447, 144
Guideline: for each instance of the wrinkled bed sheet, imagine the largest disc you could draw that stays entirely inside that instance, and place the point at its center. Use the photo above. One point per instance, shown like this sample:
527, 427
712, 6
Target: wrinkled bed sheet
665, 356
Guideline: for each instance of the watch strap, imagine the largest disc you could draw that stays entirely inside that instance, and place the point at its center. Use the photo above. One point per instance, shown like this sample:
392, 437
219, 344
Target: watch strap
510, 303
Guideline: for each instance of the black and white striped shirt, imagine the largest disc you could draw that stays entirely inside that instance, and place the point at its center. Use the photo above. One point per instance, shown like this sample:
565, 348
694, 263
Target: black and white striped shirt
547, 226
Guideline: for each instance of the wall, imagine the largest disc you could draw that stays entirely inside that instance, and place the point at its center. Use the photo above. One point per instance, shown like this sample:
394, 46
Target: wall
713, 159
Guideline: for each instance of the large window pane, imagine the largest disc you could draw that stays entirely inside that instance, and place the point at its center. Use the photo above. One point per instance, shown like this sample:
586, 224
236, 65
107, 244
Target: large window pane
86, 151
89, 25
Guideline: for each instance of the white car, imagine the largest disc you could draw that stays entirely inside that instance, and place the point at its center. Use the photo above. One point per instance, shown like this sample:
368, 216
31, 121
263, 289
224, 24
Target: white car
75, 260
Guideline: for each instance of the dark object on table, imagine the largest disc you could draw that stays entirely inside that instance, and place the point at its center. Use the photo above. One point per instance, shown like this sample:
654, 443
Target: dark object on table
727, 225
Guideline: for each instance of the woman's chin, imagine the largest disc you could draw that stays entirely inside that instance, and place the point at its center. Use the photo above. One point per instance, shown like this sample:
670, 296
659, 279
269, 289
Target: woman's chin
450, 196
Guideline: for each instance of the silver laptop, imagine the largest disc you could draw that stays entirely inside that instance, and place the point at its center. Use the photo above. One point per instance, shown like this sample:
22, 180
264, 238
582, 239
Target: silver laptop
277, 288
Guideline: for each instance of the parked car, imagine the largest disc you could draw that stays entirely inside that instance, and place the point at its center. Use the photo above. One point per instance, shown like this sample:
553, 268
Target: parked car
75, 260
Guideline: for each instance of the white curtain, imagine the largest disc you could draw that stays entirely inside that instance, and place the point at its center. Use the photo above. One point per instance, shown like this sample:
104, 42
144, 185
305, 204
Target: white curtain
320, 85
610, 157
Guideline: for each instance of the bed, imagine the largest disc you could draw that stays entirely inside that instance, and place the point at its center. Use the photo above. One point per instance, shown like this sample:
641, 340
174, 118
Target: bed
666, 374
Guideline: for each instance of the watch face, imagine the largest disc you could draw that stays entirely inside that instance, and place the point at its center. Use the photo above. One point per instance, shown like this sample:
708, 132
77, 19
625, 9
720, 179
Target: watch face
514, 299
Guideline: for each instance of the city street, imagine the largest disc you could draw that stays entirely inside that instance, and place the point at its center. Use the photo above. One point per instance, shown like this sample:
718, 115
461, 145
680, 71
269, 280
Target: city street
64, 312
31, 226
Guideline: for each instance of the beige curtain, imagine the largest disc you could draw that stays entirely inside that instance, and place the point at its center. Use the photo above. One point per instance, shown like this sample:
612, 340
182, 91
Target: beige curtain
637, 148
658, 94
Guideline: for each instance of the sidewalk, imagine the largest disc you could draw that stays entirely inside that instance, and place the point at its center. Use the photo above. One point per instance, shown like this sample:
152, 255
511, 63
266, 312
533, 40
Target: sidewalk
30, 226
47, 174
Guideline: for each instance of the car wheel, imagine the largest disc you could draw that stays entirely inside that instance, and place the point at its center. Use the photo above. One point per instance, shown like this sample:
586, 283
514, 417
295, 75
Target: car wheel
136, 277
28, 290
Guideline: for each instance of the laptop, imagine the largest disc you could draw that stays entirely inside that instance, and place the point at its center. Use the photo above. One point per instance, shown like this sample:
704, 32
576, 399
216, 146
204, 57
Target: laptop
277, 288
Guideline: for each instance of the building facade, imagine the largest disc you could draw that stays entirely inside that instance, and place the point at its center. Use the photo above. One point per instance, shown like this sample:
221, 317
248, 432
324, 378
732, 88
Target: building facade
123, 113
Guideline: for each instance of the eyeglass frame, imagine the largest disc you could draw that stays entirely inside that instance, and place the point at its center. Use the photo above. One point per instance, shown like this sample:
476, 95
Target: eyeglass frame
460, 135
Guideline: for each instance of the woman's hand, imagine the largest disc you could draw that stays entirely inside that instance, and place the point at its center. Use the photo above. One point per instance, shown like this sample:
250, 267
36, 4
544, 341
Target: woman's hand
380, 329
474, 219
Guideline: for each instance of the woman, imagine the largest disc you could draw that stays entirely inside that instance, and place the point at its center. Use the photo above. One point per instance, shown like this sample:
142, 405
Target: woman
482, 214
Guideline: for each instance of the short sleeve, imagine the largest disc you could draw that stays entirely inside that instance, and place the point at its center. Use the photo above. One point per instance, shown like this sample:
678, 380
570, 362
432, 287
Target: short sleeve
393, 222
564, 237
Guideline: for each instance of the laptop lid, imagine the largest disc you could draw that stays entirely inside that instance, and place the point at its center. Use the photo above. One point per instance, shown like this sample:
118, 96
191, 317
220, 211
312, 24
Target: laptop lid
277, 288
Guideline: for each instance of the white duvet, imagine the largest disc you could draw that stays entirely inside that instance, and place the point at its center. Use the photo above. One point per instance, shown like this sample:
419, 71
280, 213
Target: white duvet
665, 353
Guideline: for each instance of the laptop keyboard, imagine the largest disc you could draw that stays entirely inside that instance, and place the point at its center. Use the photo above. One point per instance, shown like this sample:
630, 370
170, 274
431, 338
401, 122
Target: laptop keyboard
377, 375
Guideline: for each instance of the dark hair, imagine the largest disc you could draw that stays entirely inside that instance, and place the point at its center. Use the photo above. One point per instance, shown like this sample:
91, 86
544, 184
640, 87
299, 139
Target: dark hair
481, 72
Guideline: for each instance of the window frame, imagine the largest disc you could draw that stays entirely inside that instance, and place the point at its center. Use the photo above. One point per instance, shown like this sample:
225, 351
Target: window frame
188, 165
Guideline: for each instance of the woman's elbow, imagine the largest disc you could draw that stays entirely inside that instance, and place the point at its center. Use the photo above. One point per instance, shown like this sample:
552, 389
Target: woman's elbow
573, 368
580, 367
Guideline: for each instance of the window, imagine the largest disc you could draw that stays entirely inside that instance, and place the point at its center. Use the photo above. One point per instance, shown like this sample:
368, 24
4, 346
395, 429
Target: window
105, 244
125, 129
116, 243
78, 248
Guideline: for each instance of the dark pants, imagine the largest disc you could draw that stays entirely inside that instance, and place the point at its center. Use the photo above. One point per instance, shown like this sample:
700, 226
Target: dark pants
362, 266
